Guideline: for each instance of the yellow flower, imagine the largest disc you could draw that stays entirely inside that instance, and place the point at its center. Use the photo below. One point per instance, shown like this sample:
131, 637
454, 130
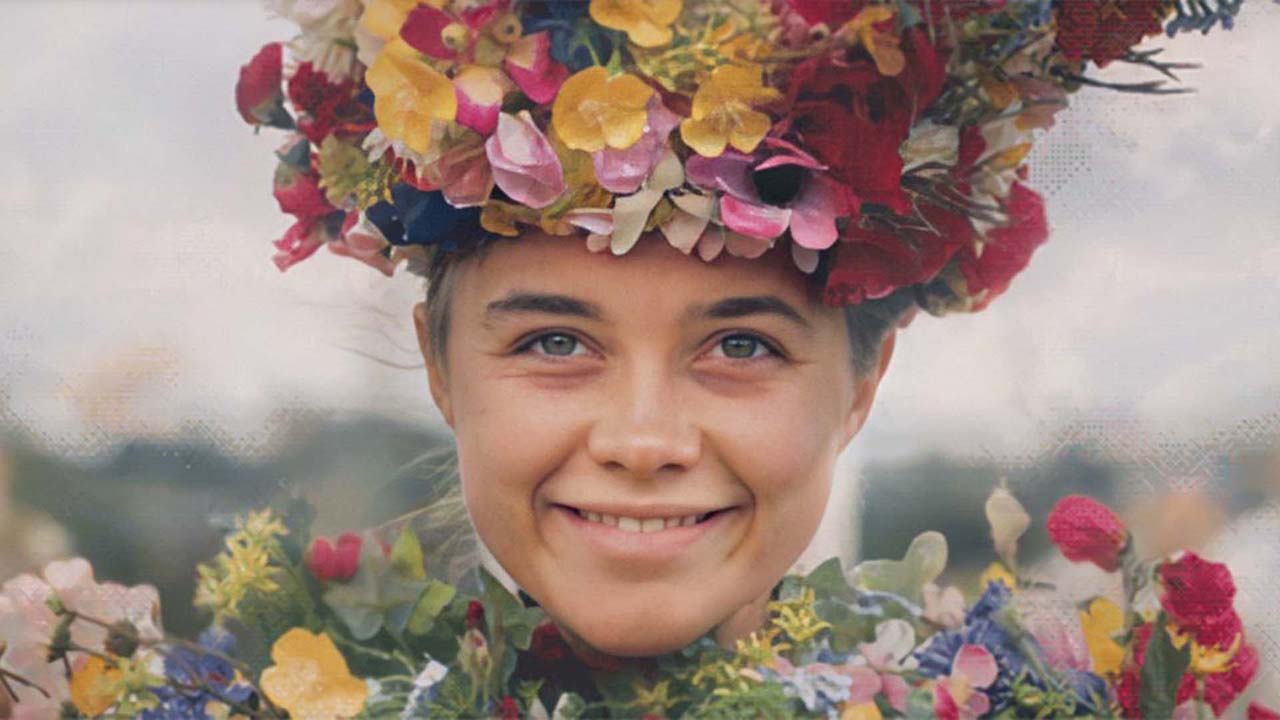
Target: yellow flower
865, 711
259, 528
883, 47
310, 678
646, 22
384, 18
94, 686
594, 110
796, 617
723, 114
409, 96
1101, 622
997, 572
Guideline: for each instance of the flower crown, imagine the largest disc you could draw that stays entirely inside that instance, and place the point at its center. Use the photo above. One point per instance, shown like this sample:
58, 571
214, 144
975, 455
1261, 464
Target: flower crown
883, 140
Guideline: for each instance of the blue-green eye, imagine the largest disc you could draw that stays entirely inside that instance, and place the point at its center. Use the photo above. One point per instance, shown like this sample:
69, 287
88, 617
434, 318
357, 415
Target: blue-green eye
555, 344
743, 347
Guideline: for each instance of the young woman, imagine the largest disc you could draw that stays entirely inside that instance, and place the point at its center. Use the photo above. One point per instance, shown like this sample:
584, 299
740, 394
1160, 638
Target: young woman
646, 444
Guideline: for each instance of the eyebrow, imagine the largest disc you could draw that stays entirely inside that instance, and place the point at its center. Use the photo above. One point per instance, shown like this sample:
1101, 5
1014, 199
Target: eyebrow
545, 303
730, 308
738, 307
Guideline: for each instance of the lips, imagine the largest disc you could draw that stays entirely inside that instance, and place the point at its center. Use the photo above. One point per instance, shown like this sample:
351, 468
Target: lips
651, 534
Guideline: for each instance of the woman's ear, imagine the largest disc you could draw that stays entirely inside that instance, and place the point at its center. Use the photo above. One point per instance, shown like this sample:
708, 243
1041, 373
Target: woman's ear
436, 378
865, 387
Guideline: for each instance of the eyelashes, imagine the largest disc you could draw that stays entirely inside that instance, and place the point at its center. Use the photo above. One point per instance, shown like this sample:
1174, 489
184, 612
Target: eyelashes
735, 345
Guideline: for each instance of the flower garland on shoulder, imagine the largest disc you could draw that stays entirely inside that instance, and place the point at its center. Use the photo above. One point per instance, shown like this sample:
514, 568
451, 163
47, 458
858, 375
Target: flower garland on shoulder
359, 628
882, 141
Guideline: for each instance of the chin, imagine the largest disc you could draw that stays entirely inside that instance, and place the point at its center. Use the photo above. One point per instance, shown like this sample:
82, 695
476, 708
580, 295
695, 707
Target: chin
632, 630
644, 633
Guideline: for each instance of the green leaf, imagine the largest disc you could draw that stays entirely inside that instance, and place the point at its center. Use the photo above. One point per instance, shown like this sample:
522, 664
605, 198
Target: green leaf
1163, 666
925, 560
570, 706
375, 596
406, 555
828, 582
506, 616
433, 600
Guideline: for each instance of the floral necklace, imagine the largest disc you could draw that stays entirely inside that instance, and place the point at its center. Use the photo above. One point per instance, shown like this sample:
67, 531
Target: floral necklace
358, 628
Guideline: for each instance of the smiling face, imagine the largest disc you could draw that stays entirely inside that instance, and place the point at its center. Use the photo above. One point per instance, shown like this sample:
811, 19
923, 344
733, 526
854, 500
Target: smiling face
646, 443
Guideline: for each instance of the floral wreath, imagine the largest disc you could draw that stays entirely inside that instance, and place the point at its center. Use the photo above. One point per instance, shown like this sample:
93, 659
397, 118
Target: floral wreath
882, 140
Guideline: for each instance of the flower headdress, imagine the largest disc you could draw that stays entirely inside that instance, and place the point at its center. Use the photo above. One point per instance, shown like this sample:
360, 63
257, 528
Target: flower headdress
883, 141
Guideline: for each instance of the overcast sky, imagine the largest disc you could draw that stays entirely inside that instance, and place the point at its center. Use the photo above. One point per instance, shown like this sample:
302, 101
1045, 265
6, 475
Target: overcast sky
137, 296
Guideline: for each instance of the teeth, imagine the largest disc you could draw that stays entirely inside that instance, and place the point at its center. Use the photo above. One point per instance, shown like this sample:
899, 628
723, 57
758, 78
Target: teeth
646, 525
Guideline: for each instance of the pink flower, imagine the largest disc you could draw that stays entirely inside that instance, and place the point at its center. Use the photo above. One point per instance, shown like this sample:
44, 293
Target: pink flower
363, 241
335, 564
803, 201
1085, 530
1053, 622
525, 165
959, 696
259, 95
27, 622
511, 60
624, 171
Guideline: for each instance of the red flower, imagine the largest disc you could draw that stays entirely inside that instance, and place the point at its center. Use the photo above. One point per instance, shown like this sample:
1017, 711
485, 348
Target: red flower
299, 193
475, 614
258, 95
325, 106
1258, 712
1221, 689
1007, 249
1085, 530
834, 14
1198, 595
548, 644
508, 710
854, 119
873, 261
1195, 589
329, 564
1104, 30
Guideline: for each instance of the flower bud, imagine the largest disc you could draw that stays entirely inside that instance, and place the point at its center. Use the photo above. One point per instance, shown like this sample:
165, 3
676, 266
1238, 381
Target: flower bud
122, 639
1085, 530
335, 564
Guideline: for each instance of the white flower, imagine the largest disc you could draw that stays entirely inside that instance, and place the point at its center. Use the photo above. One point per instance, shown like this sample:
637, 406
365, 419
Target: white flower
328, 33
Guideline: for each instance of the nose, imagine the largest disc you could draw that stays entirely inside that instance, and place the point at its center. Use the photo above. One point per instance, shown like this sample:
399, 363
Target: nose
642, 427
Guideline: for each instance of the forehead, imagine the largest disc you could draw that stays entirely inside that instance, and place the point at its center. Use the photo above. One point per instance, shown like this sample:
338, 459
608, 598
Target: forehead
652, 271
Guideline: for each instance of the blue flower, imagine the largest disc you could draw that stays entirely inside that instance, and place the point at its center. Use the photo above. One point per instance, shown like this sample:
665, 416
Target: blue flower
820, 687
418, 217
204, 678
574, 35
1088, 686
979, 628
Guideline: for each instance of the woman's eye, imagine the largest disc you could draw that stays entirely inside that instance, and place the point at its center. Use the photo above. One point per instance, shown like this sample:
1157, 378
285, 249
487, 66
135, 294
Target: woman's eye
555, 344
743, 347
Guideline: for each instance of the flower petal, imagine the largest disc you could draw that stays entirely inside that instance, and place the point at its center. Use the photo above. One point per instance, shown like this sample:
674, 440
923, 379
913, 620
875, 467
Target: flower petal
530, 66
729, 172
815, 210
763, 222
977, 664
480, 91
525, 165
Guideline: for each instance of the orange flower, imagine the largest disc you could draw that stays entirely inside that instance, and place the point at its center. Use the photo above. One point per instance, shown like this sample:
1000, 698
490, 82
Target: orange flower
594, 110
647, 23
723, 111
409, 96
310, 678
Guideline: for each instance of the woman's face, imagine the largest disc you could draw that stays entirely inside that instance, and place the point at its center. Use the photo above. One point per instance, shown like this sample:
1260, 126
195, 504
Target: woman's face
646, 443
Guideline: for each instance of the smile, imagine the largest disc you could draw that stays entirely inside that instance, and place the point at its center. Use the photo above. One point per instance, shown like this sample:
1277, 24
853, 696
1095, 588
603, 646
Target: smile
641, 525
644, 535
